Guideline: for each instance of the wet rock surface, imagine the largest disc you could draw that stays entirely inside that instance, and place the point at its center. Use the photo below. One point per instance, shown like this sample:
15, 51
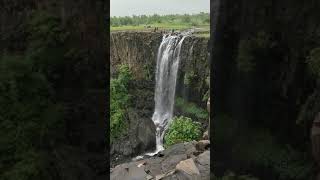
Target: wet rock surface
139, 50
140, 136
181, 161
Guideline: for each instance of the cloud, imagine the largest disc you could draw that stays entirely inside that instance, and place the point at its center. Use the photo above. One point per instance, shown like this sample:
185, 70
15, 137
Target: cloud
149, 7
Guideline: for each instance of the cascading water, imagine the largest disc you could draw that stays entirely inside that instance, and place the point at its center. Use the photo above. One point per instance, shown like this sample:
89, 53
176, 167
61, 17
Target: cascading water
166, 76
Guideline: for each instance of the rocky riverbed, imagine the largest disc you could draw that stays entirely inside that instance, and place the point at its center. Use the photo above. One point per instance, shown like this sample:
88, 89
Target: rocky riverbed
181, 161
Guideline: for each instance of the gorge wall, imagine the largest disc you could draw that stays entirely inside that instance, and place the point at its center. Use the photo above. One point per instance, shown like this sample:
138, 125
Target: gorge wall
139, 51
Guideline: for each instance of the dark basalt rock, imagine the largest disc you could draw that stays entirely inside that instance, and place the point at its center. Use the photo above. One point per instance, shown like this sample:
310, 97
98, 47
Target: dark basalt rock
139, 139
140, 49
166, 166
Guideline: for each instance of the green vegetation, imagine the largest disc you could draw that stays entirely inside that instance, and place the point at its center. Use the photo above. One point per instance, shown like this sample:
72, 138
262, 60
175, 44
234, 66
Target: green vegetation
160, 25
191, 109
204, 34
178, 22
309, 110
313, 62
119, 102
206, 96
31, 118
312, 104
245, 56
259, 149
45, 45
232, 176
250, 49
190, 78
147, 72
195, 20
182, 129
224, 130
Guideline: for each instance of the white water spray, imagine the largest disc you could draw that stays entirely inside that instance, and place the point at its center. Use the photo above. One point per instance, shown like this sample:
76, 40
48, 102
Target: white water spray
168, 59
166, 77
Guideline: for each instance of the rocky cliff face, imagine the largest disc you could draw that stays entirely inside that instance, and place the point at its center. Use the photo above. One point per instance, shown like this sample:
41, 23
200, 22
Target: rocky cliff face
139, 50
194, 70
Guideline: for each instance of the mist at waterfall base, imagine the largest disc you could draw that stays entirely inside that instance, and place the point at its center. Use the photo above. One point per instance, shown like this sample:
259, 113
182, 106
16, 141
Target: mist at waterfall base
168, 59
166, 76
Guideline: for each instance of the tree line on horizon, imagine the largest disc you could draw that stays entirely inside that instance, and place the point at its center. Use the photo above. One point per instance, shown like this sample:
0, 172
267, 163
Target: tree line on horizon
201, 18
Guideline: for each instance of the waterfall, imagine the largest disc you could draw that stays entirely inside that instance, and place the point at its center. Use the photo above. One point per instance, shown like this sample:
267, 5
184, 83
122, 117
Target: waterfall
166, 77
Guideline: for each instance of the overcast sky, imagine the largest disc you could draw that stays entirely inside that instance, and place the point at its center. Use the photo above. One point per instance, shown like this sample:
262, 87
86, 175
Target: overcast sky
149, 7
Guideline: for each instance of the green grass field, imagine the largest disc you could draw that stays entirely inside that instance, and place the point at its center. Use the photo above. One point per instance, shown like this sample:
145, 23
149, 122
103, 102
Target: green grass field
200, 22
159, 25
205, 34
205, 29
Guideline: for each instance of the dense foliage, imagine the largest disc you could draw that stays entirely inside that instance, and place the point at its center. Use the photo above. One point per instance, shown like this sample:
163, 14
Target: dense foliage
31, 118
119, 102
252, 50
182, 129
232, 176
191, 109
260, 149
314, 62
195, 19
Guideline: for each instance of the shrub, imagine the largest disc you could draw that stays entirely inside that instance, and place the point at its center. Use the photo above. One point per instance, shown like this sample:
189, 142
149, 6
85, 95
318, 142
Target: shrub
182, 129
147, 72
253, 49
260, 149
206, 96
191, 109
46, 45
190, 78
245, 59
232, 176
313, 62
119, 101
225, 128
30, 118
183, 19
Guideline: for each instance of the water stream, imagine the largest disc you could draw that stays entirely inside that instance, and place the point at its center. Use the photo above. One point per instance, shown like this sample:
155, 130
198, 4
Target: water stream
168, 59
166, 79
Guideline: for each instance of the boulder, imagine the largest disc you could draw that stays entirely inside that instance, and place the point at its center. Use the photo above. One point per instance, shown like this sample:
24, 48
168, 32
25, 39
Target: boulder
205, 135
171, 161
179, 162
130, 171
203, 145
203, 164
153, 166
140, 138
187, 169
204, 158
